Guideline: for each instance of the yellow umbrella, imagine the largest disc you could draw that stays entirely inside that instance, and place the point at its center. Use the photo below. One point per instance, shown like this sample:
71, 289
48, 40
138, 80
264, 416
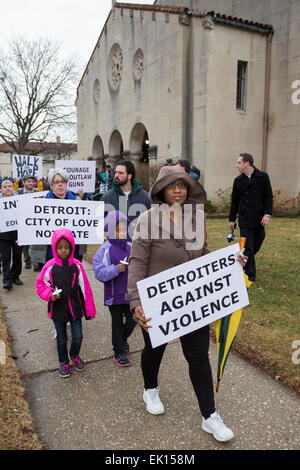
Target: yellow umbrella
226, 329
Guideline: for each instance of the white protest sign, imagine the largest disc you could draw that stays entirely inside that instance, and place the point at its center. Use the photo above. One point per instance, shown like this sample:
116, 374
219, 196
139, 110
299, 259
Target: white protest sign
81, 174
38, 219
9, 210
189, 296
24, 165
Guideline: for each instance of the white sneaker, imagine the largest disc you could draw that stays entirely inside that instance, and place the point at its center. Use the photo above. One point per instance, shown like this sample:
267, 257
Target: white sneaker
214, 425
152, 400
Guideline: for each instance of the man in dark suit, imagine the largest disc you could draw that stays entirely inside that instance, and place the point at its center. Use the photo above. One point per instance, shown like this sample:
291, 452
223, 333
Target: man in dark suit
252, 200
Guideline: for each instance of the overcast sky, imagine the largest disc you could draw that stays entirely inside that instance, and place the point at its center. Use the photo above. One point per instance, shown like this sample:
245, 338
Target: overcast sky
77, 24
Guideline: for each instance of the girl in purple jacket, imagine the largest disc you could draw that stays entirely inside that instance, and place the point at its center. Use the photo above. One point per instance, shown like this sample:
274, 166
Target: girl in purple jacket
72, 301
110, 267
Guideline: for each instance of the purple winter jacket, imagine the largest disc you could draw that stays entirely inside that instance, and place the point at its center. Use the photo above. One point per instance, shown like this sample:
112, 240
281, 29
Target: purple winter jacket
105, 264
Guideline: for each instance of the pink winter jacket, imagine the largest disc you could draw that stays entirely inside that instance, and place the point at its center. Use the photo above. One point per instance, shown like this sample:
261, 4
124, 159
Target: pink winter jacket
76, 297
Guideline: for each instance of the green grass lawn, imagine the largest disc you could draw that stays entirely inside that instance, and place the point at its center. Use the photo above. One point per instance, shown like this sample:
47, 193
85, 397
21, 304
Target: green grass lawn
271, 323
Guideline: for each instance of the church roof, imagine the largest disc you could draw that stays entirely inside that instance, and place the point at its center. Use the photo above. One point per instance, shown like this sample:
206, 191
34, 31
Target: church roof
235, 21
217, 17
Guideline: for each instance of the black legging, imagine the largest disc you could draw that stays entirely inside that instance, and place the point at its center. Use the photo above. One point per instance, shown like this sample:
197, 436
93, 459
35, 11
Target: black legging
195, 349
254, 238
121, 330
11, 256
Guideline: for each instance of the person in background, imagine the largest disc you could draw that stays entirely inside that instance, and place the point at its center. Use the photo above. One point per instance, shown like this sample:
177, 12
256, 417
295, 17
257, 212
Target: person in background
252, 200
190, 169
28, 182
58, 180
195, 172
10, 251
46, 186
28, 185
104, 175
39, 185
110, 174
101, 185
185, 164
17, 183
127, 192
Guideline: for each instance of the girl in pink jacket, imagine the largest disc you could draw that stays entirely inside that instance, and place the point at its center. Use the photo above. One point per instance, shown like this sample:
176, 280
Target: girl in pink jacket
64, 285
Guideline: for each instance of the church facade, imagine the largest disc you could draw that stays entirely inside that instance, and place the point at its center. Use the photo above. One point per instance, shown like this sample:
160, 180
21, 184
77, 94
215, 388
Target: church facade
186, 81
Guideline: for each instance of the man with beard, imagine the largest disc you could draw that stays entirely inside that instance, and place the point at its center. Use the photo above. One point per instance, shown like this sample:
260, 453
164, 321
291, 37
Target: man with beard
127, 195
28, 185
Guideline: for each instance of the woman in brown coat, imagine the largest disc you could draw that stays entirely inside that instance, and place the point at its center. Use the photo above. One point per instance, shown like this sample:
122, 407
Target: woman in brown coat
173, 232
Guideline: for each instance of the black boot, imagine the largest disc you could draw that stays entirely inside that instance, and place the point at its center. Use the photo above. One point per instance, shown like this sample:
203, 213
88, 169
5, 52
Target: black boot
7, 285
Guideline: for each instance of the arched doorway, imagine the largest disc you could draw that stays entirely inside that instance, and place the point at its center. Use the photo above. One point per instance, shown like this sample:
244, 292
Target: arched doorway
116, 147
98, 151
139, 153
139, 143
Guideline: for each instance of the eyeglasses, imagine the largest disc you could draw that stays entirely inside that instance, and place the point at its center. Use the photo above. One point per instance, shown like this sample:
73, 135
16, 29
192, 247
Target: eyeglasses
59, 182
181, 185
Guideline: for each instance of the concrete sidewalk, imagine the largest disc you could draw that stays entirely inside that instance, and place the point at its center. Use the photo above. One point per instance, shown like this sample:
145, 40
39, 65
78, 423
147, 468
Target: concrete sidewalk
102, 407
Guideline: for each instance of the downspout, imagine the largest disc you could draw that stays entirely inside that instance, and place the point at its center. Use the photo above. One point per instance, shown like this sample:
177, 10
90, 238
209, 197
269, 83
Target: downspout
266, 104
189, 93
186, 148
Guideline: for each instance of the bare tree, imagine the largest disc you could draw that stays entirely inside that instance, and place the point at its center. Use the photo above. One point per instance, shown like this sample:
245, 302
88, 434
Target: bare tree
37, 92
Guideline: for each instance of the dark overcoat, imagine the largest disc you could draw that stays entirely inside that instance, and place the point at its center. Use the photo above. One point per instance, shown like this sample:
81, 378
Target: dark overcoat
251, 199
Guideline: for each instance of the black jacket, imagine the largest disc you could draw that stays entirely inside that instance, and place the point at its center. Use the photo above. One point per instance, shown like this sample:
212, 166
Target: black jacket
251, 199
13, 235
65, 277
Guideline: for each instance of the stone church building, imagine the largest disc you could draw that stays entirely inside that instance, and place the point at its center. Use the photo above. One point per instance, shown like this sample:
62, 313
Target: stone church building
200, 79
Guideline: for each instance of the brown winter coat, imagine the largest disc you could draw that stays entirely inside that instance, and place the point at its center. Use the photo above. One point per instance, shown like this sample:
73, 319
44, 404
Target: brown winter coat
151, 254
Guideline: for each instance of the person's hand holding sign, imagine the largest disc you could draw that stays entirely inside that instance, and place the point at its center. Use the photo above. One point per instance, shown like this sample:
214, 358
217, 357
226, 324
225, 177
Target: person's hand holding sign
240, 257
122, 267
55, 294
140, 318
55, 297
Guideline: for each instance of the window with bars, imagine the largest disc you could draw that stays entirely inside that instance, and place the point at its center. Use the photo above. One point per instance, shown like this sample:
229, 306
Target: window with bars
241, 85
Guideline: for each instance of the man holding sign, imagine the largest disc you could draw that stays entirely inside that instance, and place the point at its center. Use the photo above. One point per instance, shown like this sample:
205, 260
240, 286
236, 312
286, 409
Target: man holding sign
27, 165
167, 237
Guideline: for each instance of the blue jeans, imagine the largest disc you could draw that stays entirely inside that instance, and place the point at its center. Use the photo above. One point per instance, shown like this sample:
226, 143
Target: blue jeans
61, 339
